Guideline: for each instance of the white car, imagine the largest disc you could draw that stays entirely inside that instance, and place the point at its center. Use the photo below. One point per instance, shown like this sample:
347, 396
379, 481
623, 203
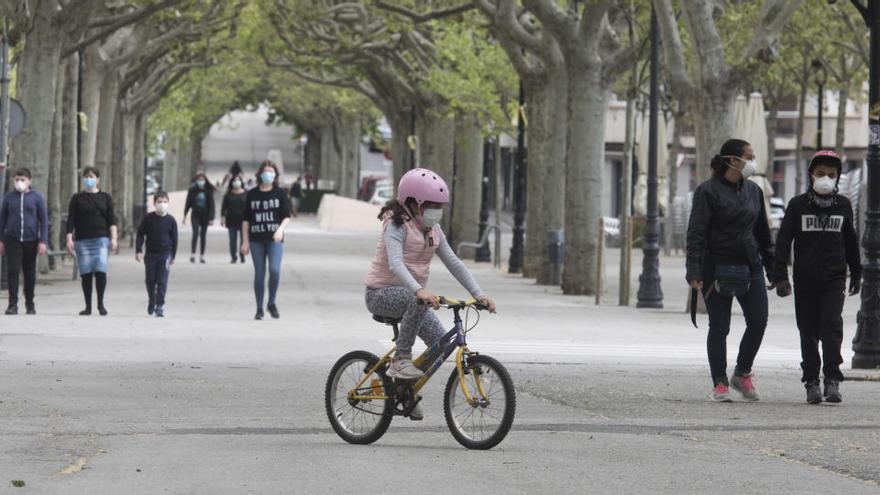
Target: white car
383, 193
777, 211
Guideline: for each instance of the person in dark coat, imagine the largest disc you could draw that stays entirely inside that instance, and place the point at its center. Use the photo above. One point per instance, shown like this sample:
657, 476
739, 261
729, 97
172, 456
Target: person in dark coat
232, 215
728, 249
199, 201
820, 224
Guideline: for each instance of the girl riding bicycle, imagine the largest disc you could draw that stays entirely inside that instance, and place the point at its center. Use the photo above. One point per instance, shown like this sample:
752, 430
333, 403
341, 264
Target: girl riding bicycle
398, 277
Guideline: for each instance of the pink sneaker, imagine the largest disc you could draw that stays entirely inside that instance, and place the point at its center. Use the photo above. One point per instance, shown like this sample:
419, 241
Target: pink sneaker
744, 385
721, 393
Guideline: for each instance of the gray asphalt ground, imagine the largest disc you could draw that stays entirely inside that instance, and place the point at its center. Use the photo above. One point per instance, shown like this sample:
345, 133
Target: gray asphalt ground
208, 401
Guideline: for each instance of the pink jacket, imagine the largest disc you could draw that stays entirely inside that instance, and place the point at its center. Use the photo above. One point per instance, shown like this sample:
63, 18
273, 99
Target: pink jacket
418, 251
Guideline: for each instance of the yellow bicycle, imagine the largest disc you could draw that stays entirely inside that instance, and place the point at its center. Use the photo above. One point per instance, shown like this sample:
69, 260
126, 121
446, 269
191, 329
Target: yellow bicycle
479, 402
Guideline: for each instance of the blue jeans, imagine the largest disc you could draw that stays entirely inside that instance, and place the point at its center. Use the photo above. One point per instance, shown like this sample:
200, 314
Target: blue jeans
754, 306
235, 242
261, 251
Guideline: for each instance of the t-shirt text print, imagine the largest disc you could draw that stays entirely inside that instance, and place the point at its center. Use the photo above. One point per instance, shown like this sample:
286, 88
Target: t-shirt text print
265, 212
821, 223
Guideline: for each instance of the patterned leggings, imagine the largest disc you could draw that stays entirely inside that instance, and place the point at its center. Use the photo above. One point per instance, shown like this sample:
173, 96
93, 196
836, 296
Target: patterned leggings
416, 319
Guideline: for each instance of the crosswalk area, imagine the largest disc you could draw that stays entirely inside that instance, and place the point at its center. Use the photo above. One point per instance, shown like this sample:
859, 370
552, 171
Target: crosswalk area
544, 350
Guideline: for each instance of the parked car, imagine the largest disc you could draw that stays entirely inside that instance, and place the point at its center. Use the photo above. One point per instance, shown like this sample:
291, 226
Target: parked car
383, 192
777, 211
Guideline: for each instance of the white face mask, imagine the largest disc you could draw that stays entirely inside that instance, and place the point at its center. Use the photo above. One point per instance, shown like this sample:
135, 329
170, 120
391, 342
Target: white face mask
21, 186
236, 184
748, 169
824, 185
431, 216
162, 208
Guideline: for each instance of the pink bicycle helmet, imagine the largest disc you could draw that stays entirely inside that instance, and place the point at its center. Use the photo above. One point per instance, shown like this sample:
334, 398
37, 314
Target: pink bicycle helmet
422, 185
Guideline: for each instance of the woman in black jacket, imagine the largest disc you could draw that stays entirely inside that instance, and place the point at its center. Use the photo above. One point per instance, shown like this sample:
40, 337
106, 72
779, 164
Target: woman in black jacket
199, 200
91, 234
728, 241
232, 215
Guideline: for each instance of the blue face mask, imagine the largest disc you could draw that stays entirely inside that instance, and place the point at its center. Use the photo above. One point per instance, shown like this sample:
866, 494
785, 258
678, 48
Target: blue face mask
200, 183
90, 182
267, 177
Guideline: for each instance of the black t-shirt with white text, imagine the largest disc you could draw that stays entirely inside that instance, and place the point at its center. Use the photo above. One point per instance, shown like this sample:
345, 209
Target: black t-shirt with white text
264, 212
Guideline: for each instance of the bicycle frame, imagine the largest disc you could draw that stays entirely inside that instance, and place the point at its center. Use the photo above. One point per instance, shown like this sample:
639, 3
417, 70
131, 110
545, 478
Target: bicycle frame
436, 354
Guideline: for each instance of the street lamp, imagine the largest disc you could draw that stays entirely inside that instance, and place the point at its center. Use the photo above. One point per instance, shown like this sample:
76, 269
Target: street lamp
519, 190
650, 294
866, 343
483, 252
821, 77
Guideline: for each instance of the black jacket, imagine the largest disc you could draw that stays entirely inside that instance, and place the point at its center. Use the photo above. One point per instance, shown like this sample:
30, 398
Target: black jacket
159, 232
825, 241
728, 225
90, 215
192, 203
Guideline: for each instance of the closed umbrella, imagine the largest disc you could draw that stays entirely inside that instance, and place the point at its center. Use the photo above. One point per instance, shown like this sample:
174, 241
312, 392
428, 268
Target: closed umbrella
756, 134
641, 197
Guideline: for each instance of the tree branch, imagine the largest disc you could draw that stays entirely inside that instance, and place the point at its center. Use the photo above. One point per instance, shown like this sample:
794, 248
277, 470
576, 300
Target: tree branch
118, 23
430, 16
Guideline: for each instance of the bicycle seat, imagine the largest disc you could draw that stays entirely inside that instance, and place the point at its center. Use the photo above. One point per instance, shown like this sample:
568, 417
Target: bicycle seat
388, 320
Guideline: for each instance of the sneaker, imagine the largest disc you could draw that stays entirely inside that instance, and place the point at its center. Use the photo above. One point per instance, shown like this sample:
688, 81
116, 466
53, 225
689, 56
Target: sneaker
814, 393
259, 315
721, 393
192, 259
234, 261
12, 309
151, 308
273, 310
832, 391
202, 260
403, 369
417, 414
242, 259
745, 385
30, 309
160, 311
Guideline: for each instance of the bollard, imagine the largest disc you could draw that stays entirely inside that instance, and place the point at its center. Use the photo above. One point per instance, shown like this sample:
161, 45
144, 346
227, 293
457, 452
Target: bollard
556, 253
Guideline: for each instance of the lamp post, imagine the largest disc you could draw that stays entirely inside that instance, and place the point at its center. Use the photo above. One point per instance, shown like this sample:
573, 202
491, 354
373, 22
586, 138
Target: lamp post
483, 252
519, 190
650, 294
821, 77
866, 343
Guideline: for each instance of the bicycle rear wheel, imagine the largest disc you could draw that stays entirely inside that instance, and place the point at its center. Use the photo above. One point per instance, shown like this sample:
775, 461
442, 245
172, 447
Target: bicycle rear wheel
358, 421
483, 423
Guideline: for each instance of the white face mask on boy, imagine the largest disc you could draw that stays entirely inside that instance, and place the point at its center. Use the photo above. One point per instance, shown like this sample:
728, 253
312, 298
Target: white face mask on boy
824, 185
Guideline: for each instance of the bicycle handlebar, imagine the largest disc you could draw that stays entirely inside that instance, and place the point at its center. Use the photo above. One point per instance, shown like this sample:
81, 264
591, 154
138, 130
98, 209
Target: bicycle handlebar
450, 303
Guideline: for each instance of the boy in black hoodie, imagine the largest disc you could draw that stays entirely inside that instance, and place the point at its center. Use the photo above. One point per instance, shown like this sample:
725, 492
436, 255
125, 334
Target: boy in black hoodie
159, 230
820, 223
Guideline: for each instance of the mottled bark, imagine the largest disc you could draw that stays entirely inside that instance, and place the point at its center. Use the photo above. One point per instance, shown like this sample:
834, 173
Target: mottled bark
104, 143
468, 183
840, 132
588, 97
70, 126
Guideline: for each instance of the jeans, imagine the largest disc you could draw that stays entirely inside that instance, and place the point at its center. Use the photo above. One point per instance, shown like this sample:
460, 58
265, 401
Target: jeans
21, 257
157, 267
200, 231
818, 307
235, 242
261, 251
754, 306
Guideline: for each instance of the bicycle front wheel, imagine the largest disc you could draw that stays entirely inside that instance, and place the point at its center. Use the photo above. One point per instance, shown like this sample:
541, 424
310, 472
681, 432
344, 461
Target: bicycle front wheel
360, 421
483, 422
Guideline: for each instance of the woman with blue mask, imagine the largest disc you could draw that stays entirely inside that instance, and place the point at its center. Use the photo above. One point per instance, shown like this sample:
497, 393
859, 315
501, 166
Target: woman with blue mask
267, 213
91, 235
199, 200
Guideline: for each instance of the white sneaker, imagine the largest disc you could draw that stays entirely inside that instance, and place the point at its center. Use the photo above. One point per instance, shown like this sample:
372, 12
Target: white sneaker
417, 414
403, 369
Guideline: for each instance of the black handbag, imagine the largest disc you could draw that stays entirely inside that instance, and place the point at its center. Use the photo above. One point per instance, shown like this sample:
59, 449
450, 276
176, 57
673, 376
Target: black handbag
732, 280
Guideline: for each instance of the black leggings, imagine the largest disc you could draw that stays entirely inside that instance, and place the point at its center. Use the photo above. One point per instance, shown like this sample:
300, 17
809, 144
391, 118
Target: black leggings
200, 231
101, 284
